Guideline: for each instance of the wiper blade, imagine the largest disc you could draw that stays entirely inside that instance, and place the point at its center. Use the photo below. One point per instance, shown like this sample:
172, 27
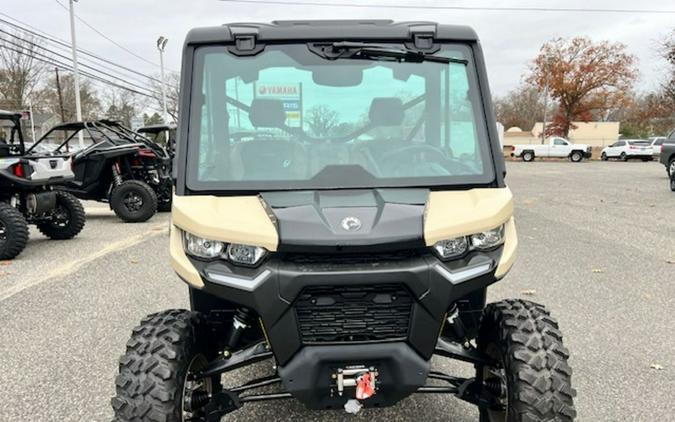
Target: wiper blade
359, 50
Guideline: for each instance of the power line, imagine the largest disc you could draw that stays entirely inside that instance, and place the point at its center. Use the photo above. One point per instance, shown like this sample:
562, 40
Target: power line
53, 62
68, 58
108, 38
22, 26
463, 8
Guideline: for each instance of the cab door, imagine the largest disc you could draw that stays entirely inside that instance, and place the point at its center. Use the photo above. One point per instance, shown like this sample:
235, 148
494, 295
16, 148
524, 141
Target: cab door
559, 148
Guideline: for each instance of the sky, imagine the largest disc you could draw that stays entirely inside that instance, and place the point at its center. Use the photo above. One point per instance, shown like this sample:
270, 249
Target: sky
510, 39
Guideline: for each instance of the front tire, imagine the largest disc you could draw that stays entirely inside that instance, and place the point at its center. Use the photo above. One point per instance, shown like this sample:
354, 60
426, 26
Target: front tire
13, 232
576, 156
532, 363
134, 201
603, 157
153, 373
67, 218
671, 167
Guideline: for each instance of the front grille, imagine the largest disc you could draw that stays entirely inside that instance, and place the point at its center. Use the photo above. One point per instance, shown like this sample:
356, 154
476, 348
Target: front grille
350, 258
343, 314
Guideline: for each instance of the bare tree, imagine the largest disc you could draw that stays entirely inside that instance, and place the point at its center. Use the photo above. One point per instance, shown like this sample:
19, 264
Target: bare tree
121, 105
20, 73
522, 107
668, 53
172, 90
321, 120
89, 98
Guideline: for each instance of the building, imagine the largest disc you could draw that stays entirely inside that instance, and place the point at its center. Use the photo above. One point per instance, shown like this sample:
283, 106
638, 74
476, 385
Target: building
597, 134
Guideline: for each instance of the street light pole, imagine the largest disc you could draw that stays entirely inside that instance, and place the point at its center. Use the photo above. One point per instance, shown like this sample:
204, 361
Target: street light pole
161, 44
76, 72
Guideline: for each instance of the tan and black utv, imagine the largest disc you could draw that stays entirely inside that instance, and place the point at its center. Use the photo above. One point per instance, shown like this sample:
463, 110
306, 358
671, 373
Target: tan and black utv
340, 211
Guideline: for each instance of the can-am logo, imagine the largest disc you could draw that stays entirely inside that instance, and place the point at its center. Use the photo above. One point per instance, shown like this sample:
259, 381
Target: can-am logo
351, 224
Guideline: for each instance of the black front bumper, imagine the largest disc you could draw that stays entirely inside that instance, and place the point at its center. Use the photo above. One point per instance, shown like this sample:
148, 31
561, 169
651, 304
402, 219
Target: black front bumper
275, 288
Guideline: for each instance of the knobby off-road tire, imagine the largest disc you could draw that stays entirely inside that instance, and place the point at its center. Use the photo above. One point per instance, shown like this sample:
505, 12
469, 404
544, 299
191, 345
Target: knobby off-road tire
13, 231
576, 156
152, 372
134, 201
525, 339
527, 156
71, 220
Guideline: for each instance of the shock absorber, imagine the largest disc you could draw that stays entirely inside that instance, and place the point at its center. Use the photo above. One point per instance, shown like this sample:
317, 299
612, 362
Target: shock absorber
117, 176
242, 320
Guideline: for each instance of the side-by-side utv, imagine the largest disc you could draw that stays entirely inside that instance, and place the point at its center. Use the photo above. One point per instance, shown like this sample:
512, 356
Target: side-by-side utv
347, 238
27, 192
114, 165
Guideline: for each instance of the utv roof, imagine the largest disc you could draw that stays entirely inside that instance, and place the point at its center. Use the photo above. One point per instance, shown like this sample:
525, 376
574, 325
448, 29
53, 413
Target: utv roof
156, 128
81, 125
316, 30
4, 114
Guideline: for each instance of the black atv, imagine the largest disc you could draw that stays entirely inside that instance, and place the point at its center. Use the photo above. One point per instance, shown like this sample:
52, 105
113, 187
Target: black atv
340, 210
28, 195
113, 164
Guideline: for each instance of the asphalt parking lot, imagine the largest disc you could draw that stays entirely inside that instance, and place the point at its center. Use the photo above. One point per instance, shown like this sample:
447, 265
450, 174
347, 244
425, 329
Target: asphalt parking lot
597, 246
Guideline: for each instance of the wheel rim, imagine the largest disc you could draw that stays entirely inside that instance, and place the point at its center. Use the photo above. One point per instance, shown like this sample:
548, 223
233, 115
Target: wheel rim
60, 217
498, 374
192, 388
576, 157
133, 201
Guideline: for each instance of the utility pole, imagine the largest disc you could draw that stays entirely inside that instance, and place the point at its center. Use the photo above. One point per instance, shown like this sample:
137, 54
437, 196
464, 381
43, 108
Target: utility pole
543, 131
76, 72
161, 44
58, 90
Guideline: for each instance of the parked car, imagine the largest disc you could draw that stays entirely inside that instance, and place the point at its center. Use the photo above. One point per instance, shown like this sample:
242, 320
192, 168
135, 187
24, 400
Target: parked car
656, 142
626, 149
555, 148
667, 155
672, 181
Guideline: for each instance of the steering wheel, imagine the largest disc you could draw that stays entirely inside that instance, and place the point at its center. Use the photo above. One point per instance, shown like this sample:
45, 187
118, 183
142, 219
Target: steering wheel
388, 160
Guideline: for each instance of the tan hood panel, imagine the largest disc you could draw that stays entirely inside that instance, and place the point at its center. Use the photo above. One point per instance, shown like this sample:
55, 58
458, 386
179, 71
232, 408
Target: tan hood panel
451, 214
232, 219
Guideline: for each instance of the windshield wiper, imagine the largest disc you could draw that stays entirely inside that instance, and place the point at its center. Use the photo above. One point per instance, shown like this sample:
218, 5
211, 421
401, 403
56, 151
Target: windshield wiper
359, 50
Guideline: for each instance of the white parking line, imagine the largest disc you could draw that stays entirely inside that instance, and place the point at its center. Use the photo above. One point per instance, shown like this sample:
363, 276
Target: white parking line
71, 267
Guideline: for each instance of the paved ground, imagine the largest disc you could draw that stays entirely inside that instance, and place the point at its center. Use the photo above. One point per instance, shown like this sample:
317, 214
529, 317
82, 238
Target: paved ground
597, 246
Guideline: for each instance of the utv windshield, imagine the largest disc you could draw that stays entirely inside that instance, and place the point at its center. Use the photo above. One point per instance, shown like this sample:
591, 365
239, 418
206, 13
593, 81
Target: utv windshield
292, 117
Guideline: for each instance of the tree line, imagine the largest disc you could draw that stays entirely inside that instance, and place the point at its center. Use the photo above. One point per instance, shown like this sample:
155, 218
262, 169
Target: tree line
591, 81
28, 79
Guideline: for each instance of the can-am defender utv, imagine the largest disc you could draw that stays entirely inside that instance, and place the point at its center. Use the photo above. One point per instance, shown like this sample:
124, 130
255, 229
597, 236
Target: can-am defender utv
27, 194
115, 165
351, 241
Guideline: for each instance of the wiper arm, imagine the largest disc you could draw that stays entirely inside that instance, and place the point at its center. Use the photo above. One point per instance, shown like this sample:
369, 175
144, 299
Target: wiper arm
359, 50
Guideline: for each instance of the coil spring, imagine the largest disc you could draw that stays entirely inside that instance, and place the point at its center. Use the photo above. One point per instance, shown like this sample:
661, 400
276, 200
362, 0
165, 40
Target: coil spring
198, 400
494, 386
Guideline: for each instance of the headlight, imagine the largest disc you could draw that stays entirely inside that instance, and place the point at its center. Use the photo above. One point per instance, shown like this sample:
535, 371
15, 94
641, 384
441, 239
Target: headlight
452, 248
202, 248
245, 254
210, 249
488, 239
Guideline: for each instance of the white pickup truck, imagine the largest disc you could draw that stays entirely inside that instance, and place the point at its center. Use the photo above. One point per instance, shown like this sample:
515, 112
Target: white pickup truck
555, 147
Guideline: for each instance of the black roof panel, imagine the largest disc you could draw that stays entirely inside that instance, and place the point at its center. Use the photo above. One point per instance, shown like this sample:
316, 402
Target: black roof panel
317, 30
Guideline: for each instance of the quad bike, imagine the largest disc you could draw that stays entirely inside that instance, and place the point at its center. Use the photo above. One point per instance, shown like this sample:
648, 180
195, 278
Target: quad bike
28, 194
348, 238
114, 165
